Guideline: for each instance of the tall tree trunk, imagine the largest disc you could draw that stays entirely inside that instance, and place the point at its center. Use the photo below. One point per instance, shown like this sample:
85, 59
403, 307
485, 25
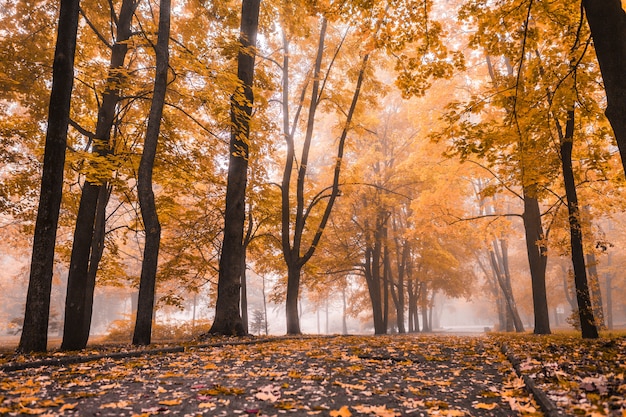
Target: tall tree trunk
147, 282
609, 295
424, 307
607, 21
97, 250
228, 319
295, 256
402, 251
293, 288
537, 259
585, 311
291, 252
503, 258
373, 280
34, 336
567, 286
244, 293
409, 286
609, 301
79, 298
537, 252
344, 311
506, 317
596, 291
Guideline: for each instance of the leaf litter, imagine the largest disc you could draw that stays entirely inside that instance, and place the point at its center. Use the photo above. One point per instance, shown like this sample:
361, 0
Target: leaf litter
381, 376
581, 376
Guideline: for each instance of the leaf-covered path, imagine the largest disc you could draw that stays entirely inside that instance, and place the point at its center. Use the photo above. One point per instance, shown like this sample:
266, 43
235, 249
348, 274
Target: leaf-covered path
340, 376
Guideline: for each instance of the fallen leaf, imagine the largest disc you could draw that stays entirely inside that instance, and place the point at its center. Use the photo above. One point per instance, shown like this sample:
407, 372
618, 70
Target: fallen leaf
68, 406
170, 402
485, 406
342, 412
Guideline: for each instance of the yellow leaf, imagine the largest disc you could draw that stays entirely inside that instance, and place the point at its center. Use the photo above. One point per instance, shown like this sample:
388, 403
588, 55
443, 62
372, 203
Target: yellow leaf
206, 405
68, 406
485, 406
170, 402
342, 412
32, 411
47, 403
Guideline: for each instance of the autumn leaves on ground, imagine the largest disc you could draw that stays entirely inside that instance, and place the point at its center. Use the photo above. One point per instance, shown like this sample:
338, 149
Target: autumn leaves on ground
329, 376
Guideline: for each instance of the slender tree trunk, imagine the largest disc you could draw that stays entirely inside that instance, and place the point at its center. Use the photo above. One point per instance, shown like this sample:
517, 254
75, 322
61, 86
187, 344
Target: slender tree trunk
147, 282
97, 250
607, 21
424, 307
401, 296
265, 310
80, 283
409, 286
567, 287
537, 259
585, 311
227, 310
295, 256
291, 251
502, 256
372, 277
596, 291
244, 292
344, 312
609, 301
34, 336
609, 294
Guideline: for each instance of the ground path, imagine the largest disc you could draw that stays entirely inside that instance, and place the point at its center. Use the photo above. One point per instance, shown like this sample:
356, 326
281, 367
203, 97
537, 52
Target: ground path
336, 376
329, 376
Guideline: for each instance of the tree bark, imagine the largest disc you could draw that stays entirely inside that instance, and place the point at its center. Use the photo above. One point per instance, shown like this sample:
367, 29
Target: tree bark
585, 311
147, 282
500, 266
596, 290
80, 282
34, 336
537, 259
373, 280
228, 319
426, 324
607, 21
97, 249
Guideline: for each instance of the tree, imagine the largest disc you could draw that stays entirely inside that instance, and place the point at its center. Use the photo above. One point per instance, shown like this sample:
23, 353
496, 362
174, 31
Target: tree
295, 252
585, 310
227, 309
35, 331
152, 227
607, 21
88, 244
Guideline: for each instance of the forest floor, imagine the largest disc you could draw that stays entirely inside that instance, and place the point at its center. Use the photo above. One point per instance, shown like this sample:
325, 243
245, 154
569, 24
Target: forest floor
329, 376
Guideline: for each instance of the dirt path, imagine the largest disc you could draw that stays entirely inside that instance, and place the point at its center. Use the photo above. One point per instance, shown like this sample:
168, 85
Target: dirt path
341, 376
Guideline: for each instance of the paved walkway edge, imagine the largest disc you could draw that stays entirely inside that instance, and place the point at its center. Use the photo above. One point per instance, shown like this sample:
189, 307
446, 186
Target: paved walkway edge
547, 405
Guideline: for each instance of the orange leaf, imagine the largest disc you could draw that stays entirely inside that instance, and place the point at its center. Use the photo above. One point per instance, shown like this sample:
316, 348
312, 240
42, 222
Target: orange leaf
342, 412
